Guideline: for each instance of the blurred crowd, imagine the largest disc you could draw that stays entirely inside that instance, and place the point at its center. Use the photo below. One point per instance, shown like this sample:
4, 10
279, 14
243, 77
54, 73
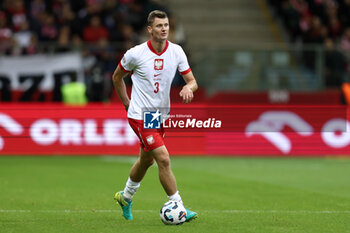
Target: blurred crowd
102, 30
320, 22
23, 24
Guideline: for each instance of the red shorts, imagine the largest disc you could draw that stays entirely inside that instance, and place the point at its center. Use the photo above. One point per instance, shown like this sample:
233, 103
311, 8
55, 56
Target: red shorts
150, 139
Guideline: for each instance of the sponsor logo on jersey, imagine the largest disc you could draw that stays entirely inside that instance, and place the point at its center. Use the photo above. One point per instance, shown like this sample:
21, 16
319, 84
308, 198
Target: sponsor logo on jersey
158, 64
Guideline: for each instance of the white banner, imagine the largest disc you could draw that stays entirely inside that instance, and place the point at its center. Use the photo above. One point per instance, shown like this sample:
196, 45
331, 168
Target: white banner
17, 69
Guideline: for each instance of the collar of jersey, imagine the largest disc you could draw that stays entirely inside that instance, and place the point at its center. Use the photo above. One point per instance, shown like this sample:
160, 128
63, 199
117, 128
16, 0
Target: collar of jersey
154, 51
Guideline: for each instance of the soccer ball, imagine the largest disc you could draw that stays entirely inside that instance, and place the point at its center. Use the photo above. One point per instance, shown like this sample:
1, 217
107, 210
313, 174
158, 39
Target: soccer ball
173, 213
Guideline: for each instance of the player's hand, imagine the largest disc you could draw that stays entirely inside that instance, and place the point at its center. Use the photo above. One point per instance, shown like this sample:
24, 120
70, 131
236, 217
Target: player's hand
187, 95
126, 106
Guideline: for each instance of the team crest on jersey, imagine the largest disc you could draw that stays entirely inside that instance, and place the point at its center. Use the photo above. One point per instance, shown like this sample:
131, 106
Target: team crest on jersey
150, 139
158, 64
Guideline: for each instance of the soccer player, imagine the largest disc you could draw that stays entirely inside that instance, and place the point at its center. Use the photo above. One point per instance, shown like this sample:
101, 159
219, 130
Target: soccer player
152, 65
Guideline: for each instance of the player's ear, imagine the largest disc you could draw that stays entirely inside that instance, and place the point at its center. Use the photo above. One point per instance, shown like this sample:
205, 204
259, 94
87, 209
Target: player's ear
149, 29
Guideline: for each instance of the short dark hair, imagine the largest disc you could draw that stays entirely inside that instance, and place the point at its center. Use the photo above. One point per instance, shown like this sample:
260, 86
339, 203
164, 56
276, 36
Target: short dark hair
155, 14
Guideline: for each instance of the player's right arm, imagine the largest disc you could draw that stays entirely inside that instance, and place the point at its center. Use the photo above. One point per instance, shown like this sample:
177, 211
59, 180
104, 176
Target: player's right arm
119, 86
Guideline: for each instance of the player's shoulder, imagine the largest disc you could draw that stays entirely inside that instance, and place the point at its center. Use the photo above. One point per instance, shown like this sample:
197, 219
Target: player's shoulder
177, 50
174, 46
137, 49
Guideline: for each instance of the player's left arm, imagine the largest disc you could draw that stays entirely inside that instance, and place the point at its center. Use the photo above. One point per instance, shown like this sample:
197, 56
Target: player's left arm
191, 86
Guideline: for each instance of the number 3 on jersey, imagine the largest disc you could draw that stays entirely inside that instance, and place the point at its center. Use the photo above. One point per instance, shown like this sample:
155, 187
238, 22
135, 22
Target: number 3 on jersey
156, 84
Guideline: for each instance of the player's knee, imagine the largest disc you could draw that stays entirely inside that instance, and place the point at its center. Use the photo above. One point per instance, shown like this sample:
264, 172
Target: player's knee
150, 162
163, 161
147, 161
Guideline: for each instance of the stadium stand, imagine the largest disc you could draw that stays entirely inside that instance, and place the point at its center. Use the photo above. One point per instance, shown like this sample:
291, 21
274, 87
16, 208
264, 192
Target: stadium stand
233, 46
325, 23
88, 20
102, 30
212, 24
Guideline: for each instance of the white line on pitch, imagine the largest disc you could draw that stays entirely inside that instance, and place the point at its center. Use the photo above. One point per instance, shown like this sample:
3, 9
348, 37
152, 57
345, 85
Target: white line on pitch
200, 211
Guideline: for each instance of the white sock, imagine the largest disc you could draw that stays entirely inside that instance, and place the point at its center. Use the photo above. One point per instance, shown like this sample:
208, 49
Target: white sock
175, 197
130, 189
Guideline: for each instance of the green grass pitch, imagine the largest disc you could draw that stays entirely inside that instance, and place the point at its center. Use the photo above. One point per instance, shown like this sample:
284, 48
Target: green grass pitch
75, 194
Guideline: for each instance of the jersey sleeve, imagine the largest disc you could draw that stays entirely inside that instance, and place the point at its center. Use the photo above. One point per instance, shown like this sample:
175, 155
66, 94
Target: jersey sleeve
127, 62
183, 66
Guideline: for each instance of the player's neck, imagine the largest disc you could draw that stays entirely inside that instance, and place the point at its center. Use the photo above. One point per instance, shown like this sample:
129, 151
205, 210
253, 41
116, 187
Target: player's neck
158, 46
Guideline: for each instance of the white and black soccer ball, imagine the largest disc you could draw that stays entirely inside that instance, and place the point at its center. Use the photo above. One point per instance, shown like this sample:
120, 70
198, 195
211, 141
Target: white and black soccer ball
173, 213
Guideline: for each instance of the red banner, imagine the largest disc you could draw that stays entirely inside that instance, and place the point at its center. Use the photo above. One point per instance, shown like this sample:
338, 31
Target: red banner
49, 129
282, 130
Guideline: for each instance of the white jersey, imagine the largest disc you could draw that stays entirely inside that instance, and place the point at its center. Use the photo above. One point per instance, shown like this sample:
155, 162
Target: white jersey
152, 74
